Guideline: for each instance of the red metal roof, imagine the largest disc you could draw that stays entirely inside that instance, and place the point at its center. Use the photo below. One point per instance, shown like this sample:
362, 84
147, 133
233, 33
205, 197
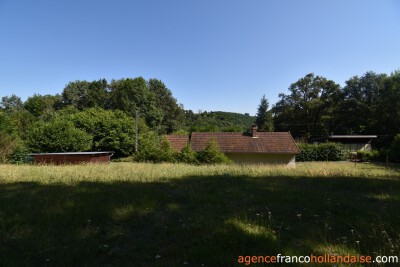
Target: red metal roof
264, 142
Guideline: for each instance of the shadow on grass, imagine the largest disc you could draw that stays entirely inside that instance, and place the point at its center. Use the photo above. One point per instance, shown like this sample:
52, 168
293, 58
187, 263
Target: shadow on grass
197, 220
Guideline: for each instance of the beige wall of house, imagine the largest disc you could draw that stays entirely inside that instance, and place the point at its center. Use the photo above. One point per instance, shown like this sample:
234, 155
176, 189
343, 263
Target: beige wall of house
261, 158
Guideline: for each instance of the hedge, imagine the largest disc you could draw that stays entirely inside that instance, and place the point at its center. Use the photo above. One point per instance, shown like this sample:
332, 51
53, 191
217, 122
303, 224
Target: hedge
320, 152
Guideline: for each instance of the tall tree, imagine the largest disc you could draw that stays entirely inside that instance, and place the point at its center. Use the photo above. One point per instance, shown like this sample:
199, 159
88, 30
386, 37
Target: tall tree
172, 113
39, 105
264, 119
131, 95
84, 94
11, 103
359, 109
309, 108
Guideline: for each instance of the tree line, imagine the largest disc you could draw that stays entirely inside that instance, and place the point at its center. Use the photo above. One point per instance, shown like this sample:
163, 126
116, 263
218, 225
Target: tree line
100, 115
316, 107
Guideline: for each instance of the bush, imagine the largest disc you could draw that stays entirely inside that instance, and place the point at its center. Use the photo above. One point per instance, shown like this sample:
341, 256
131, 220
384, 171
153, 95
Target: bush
21, 155
368, 156
111, 130
394, 150
58, 135
212, 155
320, 152
187, 155
154, 151
7, 146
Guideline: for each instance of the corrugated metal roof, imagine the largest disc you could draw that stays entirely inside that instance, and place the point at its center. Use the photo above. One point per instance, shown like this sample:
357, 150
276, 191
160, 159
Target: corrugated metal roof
352, 136
76, 153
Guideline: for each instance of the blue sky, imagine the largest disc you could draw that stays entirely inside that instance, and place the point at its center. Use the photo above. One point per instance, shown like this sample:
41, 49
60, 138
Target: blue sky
212, 54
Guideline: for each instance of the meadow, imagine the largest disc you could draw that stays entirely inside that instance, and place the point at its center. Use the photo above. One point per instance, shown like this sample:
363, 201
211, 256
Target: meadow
137, 214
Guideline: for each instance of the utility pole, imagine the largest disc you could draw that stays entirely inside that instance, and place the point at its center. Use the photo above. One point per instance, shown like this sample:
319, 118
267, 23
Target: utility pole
136, 132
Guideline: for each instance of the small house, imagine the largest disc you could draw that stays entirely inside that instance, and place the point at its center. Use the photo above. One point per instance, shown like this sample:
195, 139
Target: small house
254, 147
72, 157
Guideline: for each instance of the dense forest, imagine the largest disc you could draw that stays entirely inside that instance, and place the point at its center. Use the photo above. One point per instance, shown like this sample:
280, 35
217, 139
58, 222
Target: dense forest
100, 115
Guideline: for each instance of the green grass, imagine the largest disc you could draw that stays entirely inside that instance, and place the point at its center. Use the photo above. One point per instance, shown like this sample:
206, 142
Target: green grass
131, 214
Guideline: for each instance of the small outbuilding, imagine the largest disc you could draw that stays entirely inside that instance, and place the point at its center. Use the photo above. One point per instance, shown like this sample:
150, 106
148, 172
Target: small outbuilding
73, 157
353, 142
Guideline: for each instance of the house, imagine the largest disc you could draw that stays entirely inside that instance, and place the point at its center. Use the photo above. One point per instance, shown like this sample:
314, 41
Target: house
72, 157
353, 142
255, 147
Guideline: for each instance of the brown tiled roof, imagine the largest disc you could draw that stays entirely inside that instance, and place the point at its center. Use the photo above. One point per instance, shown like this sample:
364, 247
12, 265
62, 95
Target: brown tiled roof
265, 142
177, 141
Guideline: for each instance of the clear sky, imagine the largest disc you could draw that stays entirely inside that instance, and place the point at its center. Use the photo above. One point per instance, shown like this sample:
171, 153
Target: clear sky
214, 55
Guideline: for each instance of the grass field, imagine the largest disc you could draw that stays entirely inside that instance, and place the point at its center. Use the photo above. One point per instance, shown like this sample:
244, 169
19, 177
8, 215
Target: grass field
131, 214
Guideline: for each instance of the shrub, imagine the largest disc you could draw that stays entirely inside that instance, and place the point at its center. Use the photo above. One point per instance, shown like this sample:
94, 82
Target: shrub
320, 152
212, 155
7, 146
394, 150
368, 156
57, 135
111, 130
187, 155
155, 151
20, 155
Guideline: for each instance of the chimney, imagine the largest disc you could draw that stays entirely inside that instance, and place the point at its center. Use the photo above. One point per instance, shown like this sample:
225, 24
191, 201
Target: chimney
254, 129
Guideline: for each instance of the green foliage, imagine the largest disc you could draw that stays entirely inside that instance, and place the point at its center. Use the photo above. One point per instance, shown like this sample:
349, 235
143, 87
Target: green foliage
8, 136
131, 95
84, 94
39, 105
57, 135
187, 155
7, 146
212, 155
320, 152
311, 98
152, 150
20, 155
217, 121
172, 114
394, 151
368, 156
111, 130
264, 119
11, 103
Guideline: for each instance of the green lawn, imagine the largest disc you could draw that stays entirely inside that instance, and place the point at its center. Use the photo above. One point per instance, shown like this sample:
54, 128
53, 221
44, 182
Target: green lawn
131, 214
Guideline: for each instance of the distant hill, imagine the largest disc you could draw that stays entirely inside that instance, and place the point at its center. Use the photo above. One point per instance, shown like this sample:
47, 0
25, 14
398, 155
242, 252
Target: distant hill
218, 121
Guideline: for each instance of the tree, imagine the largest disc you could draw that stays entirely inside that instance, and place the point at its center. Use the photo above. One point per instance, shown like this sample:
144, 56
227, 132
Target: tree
264, 119
172, 113
110, 130
11, 103
8, 136
131, 95
309, 108
39, 105
58, 135
360, 107
84, 94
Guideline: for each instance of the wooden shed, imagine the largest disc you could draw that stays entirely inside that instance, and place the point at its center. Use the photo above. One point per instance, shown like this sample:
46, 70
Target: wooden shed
73, 157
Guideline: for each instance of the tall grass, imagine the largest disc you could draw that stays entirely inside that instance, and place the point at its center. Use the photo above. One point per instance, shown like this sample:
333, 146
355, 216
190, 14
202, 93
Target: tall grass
136, 214
145, 172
